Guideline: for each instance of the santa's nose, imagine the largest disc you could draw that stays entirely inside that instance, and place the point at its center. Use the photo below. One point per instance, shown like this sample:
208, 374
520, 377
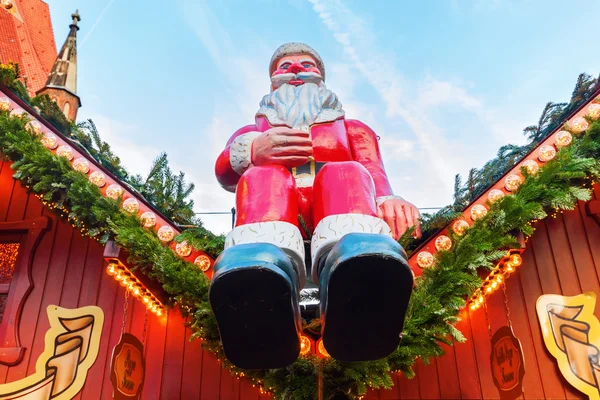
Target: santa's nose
295, 68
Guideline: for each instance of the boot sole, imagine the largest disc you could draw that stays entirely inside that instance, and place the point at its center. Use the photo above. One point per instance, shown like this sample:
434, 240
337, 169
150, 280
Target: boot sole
255, 313
376, 289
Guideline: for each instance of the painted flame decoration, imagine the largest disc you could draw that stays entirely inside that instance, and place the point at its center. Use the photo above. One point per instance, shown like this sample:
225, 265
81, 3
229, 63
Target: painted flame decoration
572, 335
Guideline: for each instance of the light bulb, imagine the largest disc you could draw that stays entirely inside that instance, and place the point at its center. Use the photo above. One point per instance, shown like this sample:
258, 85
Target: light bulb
111, 269
516, 260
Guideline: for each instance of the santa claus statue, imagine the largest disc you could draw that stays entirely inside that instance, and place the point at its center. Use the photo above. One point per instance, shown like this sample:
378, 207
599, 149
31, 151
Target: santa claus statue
303, 171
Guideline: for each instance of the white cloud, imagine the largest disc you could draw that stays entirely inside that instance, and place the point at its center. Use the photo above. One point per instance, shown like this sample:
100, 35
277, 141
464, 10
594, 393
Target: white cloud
234, 106
415, 104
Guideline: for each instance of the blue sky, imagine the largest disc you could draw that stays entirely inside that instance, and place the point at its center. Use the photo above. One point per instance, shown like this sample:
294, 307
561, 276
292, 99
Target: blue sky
444, 83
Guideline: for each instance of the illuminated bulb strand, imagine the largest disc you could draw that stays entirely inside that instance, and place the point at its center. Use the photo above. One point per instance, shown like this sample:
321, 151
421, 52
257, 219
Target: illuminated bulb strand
545, 153
61, 145
135, 287
495, 279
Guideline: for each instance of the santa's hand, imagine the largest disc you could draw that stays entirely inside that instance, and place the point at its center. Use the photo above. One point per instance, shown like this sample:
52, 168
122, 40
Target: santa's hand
399, 215
282, 146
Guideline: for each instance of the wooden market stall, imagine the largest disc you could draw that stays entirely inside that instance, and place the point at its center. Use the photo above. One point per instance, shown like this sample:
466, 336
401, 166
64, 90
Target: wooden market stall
46, 261
562, 257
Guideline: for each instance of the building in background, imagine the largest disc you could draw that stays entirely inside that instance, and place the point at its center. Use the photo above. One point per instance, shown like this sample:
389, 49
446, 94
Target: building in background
27, 38
62, 81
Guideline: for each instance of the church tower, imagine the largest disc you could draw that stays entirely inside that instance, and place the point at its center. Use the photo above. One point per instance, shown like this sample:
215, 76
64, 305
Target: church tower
61, 85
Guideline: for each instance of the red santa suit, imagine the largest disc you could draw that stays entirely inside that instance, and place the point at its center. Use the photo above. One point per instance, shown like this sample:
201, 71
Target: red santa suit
337, 197
340, 197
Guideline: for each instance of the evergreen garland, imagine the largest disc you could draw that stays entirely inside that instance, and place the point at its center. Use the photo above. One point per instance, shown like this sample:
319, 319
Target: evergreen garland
434, 306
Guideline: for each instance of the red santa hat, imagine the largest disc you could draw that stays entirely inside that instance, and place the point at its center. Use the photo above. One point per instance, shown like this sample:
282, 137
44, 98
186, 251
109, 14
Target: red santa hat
288, 49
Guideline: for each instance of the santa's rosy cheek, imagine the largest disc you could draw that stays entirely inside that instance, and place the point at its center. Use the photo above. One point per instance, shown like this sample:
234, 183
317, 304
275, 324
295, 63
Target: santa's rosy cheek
313, 69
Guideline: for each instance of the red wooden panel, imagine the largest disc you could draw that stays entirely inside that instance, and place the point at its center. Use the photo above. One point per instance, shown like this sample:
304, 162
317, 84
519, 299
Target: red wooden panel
18, 203
51, 295
236, 388
448, 374
596, 189
173, 362
35, 208
532, 384
584, 263
94, 269
192, 368
530, 274
75, 269
32, 307
393, 393
138, 316
211, 376
112, 338
6, 188
247, 391
107, 293
563, 259
409, 388
428, 380
540, 249
154, 353
569, 281
481, 341
592, 229
227, 384
466, 362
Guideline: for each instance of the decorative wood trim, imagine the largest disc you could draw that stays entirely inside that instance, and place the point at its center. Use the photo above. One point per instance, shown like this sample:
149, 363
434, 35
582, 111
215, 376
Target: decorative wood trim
593, 210
11, 353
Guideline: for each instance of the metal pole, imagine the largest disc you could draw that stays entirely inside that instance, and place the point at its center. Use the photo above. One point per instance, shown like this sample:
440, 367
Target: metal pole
320, 381
232, 217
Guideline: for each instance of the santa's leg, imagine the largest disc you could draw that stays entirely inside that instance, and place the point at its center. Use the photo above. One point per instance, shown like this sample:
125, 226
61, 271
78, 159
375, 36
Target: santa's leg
254, 291
361, 270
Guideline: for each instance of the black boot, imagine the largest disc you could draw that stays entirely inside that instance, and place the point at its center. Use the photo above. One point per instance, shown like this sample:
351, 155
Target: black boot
254, 296
365, 278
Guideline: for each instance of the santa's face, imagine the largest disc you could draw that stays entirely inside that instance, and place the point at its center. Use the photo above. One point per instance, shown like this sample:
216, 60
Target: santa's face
296, 70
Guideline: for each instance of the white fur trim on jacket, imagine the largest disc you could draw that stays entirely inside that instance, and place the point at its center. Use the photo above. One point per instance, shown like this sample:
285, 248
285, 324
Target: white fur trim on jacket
284, 235
332, 228
379, 201
240, 151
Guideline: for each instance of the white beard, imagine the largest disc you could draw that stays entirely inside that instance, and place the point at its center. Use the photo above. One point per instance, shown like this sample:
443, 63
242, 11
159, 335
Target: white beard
299, 107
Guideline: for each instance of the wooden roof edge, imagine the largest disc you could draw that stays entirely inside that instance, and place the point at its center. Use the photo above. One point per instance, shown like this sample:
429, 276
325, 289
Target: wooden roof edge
128, 192
429, 245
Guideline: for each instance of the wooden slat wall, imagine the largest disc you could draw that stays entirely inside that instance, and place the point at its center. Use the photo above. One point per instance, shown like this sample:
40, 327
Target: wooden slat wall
562, 257
68, 270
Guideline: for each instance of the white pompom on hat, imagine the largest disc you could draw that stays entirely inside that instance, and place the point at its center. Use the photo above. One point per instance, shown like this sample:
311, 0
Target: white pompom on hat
295, 48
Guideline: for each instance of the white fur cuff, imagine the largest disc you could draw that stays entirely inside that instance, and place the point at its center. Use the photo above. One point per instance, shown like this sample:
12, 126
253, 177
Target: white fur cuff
332, 228
240, 151
284, 235
379, 201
